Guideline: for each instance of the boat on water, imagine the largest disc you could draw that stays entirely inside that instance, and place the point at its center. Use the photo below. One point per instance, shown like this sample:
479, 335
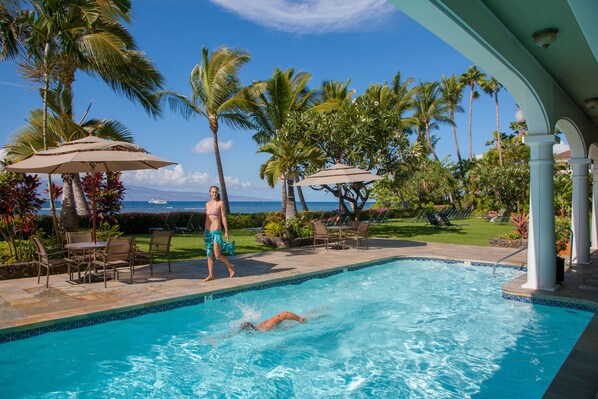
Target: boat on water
157, 201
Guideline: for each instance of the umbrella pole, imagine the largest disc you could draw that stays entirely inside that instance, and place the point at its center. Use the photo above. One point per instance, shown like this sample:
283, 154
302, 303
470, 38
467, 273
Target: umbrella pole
93, 202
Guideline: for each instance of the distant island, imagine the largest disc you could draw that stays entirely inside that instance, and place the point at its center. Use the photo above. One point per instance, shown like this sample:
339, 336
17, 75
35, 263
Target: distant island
136, 193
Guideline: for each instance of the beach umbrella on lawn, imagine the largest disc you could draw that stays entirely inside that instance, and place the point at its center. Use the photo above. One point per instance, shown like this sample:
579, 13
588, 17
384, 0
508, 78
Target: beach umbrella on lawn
90, 154
338, 174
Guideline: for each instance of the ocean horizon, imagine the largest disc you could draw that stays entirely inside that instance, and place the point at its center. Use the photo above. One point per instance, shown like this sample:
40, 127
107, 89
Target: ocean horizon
195, 206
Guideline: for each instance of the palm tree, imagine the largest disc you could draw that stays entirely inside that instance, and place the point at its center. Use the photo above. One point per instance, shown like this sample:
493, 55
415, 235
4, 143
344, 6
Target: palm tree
403, 94
430, 110
471, 79
55, 38
492, 87
61, 128
334, 94
286, 156
271, 102
216, 95
452, 94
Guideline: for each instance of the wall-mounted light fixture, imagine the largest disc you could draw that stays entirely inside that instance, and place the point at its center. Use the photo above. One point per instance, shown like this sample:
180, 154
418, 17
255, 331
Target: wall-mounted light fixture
591, 102
519, 118
544, 38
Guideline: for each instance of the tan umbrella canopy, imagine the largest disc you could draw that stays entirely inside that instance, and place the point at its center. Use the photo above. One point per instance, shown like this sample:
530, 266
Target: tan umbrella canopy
90, 154
338, 174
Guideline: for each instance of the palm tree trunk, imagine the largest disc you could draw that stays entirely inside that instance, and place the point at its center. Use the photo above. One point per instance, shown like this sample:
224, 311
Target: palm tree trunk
223, 192
283, 189
81, 204
301, 197
470, 124
429, 140
452, 114
45, 132
291, 211
68, 216
498, 146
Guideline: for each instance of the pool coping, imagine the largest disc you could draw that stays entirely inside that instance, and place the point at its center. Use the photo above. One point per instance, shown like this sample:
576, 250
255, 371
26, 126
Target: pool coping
25, 331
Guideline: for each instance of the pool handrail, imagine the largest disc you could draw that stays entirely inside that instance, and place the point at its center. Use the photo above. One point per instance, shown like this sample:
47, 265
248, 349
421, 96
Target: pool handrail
525, 247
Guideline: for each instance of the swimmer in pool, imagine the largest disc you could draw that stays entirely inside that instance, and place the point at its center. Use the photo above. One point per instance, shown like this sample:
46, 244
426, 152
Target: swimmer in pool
272, 322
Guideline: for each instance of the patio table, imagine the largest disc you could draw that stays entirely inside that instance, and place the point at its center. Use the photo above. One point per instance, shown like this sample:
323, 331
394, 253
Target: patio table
341, 243
87, 247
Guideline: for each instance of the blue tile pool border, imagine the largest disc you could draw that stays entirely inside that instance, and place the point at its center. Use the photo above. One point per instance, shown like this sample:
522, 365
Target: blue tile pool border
120, 314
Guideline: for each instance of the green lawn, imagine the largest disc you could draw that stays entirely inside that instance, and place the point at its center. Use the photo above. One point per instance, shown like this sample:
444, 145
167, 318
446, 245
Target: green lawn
473, 232
191, 246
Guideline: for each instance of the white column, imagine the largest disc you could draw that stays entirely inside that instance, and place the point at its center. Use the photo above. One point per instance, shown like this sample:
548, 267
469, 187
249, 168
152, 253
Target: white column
541, 256
580, 211
595, 207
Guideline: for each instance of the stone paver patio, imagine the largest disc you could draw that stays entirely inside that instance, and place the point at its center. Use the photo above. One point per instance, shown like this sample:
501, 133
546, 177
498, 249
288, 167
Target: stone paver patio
24, 304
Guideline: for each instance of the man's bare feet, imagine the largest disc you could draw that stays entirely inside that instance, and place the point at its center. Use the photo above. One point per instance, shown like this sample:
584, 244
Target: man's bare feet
208, 278
231, 272
302, 320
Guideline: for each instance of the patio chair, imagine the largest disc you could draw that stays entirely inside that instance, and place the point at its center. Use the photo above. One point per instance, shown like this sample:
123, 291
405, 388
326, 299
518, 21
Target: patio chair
159, 245
46, 260
118, 253
78, 258
362, 234
321, 233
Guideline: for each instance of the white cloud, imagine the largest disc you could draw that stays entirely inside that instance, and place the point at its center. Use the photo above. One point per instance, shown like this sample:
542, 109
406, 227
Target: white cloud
310, 16
234, 182
206, 146
165, 177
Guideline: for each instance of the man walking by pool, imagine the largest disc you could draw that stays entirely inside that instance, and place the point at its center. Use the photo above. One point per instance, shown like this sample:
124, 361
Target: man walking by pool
272, 322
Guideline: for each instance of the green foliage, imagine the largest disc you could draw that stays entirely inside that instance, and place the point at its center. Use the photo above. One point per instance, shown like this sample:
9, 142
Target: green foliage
106, 230
494, 187
276, 228
563, 193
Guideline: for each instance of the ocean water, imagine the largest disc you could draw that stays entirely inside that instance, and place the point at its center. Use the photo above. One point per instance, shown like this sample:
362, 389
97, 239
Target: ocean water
195, 206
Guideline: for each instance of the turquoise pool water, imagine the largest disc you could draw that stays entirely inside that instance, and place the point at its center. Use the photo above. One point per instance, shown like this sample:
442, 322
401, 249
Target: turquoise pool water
405, 329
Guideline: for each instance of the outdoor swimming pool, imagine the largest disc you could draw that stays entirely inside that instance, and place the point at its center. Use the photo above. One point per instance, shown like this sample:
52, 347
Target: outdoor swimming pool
404, 329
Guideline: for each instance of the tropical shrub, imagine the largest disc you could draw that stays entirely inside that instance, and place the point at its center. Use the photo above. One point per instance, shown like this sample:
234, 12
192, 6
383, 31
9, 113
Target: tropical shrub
19, 203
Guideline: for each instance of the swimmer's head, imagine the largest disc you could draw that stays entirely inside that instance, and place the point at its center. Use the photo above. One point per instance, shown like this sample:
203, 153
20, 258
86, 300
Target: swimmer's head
247, 326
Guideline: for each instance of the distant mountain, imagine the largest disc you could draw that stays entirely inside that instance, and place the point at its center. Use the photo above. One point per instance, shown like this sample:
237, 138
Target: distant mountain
135, 193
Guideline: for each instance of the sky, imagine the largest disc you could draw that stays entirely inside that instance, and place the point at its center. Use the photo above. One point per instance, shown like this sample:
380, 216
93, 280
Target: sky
367, 41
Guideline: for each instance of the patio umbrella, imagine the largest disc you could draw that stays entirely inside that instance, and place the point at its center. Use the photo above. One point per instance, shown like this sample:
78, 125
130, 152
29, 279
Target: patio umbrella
90, 154
338, 174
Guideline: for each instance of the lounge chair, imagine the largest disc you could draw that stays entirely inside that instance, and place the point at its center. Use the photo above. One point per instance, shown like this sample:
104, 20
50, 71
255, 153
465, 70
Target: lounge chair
433, 219
49, 260
187, 228
321, 233
118, 253
164, 227
447, 222
257, 229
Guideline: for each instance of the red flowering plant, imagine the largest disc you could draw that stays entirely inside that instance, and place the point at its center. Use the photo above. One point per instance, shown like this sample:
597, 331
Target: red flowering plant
19, 203
109, 194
